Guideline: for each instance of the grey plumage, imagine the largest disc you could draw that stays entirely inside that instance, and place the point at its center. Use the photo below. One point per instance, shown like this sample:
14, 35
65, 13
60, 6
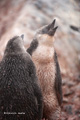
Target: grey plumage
19, 89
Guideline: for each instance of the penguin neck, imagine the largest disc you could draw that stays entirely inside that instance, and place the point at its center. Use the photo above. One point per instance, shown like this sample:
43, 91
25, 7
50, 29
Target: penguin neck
47, 44
43, 54
46, 41
20, 51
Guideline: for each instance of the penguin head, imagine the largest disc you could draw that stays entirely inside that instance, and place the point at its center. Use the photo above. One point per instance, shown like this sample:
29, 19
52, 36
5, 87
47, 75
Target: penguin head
45, 34
15, 45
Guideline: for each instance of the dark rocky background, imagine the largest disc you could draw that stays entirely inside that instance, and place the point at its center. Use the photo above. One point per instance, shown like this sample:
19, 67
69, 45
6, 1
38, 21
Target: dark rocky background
26, 16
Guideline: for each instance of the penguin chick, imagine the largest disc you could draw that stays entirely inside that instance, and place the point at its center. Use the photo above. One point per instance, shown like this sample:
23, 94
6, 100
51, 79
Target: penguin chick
48, 71
20, 94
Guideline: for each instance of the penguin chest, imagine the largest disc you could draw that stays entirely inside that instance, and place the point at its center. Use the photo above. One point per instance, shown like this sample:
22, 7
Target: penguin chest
46, 76
46, 71
43, 59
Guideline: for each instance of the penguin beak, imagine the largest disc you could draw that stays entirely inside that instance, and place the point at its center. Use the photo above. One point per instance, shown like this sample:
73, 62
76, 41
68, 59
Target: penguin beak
51, 25
22, 36
49, 29
52, 31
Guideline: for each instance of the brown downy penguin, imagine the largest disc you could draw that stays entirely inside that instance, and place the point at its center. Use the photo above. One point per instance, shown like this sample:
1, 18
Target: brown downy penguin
20, 94
48, 71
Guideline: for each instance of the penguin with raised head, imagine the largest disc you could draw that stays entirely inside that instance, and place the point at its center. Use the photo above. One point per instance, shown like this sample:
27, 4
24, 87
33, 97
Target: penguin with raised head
20, 94
48, 70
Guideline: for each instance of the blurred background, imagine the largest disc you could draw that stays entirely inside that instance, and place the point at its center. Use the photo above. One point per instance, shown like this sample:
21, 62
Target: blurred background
26, 16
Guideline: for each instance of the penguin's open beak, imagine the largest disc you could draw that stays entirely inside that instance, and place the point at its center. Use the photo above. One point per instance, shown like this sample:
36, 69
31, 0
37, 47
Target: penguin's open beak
52, 31
49, 29
22, 36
